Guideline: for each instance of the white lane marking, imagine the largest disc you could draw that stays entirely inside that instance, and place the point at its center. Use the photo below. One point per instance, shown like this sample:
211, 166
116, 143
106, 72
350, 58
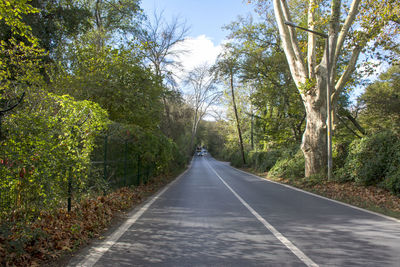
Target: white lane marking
315, 195
296, 251
97, 252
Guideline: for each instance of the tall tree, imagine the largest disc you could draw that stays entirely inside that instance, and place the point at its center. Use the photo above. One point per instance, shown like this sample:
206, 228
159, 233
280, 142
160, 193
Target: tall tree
159, 39
204, 93
311, 76
227, 67
279, 111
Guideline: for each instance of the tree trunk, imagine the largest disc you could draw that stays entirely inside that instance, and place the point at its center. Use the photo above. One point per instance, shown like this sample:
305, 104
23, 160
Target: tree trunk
237, 119
314, 141
304, 72
194, 130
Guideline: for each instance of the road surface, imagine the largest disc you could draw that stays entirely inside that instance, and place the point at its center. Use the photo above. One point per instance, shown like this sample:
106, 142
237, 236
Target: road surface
215, 215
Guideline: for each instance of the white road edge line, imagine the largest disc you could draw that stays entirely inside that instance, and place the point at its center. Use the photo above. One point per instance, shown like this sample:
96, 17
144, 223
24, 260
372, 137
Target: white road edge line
315, 195
97, 252
296, 251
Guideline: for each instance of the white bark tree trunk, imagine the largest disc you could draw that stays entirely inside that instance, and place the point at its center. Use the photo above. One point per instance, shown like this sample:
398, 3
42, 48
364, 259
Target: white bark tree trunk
314, 141
311, 79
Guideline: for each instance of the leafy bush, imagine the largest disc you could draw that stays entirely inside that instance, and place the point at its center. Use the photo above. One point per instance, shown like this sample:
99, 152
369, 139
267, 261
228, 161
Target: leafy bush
264, 160
289, 166
47, 143
236, 158
369, 158
374, 160
392, 179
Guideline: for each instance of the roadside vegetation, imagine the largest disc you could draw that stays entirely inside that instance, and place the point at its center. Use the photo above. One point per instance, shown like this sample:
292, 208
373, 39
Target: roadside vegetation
92, 117
89, 121
264, 130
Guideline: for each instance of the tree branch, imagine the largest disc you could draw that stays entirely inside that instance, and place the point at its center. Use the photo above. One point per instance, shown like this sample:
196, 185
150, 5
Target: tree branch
345, 29
347, 73
290, 44
312, 41
354, 121
348, 127
333, 35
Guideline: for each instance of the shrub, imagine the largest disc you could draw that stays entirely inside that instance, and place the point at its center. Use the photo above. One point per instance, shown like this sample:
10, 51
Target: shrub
264, 160
369, 158
236, 159
392, 179
289, 166
43, 147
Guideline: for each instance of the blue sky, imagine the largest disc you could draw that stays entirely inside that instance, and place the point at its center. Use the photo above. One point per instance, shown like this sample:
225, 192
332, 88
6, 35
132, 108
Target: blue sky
205, 17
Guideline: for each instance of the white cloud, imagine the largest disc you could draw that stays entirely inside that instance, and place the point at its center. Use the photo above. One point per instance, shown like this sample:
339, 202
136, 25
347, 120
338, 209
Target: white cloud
200, 50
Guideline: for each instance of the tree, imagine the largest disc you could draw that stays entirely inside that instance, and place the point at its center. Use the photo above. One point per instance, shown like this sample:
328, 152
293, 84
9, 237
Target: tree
159, 39
311, 77
278, 113
111, 16
381, 102
57, 21
117, 80
204, 94
227, 67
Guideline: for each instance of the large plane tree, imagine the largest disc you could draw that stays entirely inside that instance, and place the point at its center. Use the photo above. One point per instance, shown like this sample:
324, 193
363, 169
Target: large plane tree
351, 26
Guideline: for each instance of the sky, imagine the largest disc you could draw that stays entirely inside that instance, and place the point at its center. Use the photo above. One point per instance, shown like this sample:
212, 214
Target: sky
205, 18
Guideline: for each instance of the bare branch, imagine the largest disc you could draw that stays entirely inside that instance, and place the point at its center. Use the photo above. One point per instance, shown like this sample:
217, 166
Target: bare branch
160, 39
345, 29
347, 73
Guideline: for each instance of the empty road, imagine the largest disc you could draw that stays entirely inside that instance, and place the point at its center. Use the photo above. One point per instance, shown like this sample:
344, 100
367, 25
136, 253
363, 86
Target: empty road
215, 215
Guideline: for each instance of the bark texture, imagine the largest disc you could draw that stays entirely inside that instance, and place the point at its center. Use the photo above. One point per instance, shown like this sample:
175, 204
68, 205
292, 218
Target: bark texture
314, 142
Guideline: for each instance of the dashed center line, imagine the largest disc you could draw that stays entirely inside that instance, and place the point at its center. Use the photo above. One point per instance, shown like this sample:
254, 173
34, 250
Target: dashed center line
296, 251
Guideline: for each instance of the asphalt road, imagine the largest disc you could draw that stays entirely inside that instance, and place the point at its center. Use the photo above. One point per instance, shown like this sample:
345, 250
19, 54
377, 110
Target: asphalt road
215, 215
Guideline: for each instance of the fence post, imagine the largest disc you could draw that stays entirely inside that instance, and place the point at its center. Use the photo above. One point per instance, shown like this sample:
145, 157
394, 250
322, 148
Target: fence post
147, 173
69, 189
138, 169
105, 157
125, 163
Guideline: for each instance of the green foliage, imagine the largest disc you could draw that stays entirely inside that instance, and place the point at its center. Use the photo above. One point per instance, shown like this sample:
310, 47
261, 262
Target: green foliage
273, 105
264, 160
20, 55
373, 160
381, 101
48, 141
235, 158
116, 79
392, 180
55, 22
289, 166
11, 15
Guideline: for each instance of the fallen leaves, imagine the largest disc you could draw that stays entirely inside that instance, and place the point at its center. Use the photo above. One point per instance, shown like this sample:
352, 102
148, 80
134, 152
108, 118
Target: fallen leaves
372, 197
53, 233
